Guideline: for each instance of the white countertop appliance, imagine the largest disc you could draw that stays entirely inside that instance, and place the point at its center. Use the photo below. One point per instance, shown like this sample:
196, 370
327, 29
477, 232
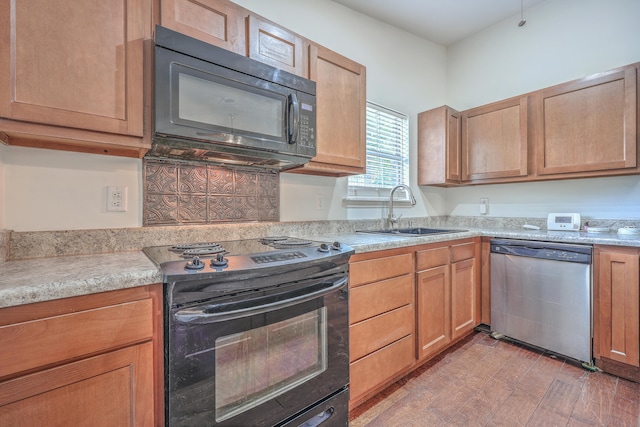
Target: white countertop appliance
563, 221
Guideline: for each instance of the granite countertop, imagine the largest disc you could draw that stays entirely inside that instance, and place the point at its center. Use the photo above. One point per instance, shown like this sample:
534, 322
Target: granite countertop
42, 279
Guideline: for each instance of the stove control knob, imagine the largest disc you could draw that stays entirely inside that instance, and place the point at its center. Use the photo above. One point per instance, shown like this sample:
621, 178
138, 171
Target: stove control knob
336, 246
219, 261
194, 264
324, 247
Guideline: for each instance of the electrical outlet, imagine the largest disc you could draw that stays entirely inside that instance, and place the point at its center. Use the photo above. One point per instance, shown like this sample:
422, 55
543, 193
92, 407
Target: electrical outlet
484, 206
319, 201
116, 199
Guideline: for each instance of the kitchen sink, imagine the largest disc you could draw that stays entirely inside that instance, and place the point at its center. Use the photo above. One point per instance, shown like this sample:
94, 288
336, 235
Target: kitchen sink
416, 231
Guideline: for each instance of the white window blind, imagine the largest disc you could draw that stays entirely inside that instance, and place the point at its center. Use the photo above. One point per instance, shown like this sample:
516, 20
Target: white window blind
387, 153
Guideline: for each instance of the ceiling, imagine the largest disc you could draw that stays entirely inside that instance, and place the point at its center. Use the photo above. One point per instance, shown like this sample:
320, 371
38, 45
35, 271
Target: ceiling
442, 21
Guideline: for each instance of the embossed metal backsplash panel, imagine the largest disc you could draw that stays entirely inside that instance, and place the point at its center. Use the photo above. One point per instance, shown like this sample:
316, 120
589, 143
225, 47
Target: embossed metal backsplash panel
178, 193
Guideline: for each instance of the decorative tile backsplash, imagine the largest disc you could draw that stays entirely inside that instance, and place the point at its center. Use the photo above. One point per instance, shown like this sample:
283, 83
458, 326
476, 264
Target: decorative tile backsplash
177, 193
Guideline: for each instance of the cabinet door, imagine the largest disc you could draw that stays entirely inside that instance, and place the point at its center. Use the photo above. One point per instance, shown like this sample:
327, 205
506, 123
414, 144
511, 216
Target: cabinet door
588, 125
113, 389
433, 310
341, 110
617, 311
276, 46
217, 22
464, 297
73, 64
439, 147
494, 141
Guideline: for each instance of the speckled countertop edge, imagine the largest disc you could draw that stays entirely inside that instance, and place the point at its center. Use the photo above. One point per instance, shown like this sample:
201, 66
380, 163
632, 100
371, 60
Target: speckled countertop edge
27, 281
44, 279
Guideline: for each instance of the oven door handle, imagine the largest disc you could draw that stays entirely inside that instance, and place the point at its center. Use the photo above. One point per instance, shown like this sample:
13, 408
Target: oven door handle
199, 315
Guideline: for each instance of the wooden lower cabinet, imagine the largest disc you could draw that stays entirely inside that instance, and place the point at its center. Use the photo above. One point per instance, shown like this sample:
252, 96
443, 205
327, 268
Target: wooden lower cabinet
447, 295
382, 320
112, 389
399, 318
617, 310
92, 360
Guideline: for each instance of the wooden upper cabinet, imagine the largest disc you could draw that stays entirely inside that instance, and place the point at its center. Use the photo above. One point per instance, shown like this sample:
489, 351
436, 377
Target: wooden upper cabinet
217, 22
73, 65
494, 141
341, 112
439, 147
588, 125
276, 46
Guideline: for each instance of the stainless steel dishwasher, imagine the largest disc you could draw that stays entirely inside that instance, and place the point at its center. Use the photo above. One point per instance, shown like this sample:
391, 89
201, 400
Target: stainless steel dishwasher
541, 294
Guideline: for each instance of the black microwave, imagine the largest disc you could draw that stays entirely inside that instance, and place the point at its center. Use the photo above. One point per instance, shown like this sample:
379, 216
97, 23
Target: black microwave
215, 105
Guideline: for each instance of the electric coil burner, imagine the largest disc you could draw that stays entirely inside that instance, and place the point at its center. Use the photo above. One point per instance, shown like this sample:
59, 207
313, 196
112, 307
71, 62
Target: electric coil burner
256, 332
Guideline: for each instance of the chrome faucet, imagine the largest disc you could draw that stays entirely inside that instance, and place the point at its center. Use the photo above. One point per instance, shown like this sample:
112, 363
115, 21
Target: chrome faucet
392, 219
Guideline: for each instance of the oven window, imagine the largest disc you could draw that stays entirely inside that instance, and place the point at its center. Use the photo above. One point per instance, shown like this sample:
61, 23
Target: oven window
234, 108
257, 365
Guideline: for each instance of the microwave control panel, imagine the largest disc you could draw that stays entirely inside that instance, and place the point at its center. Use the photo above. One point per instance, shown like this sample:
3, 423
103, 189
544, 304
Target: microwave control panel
307, 132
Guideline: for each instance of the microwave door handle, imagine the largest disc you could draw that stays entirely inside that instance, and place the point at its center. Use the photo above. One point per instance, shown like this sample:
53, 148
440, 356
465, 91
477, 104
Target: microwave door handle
198, 315
294, 118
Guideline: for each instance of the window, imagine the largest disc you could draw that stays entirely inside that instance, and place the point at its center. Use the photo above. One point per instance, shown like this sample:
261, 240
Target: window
387, 154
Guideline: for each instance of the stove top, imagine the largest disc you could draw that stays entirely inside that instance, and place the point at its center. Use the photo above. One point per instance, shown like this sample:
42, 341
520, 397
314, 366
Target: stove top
241, 255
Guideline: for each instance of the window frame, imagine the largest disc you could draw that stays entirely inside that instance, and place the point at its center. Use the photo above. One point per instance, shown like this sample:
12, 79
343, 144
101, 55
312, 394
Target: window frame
379, 195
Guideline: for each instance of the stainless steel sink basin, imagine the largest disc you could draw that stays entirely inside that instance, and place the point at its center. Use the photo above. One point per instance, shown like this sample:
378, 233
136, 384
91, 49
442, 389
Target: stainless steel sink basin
416, 231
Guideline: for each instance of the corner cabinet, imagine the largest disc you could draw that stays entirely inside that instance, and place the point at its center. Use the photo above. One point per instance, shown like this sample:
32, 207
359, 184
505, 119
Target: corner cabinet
588, 126
448, 295
494, 141
439, 147
341, 114
91, 360
78, 84
617, 310
382, 320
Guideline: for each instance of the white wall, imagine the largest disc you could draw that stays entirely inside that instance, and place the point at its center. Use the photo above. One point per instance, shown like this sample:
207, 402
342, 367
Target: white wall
57, 190
561, 41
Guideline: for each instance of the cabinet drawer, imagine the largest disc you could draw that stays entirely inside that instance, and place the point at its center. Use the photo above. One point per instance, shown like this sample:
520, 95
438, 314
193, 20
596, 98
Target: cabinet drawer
375, 298
376, 368
55, 339
430, 258
463, 251
373, 270
372, 334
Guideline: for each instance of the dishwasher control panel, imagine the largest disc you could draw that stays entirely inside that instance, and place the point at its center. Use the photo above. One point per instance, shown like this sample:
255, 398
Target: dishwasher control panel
543, 250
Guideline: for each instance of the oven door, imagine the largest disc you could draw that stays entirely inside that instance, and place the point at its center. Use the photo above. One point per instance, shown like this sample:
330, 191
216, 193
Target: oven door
262, 359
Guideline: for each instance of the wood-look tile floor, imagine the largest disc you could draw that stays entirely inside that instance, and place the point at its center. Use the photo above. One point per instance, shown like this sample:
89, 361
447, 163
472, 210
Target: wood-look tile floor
484, 382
